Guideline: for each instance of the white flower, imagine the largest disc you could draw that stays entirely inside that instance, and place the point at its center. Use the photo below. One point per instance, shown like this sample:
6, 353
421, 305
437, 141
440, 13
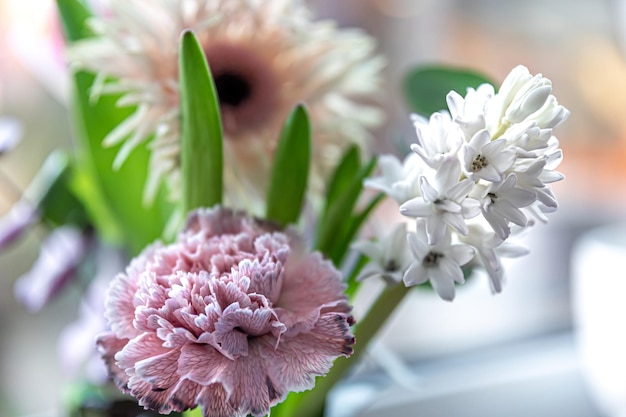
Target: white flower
389, 257
266, 56
486, 159
399, 180
491, 248
523, 97
551, 114
534, 177
469, 111
501, 203
528, 139
438, 138
440, 264
444, 202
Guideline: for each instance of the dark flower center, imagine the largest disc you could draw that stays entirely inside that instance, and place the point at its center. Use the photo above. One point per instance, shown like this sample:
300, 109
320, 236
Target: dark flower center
247, 87
431, 259
391, 266
232, 88
478, 163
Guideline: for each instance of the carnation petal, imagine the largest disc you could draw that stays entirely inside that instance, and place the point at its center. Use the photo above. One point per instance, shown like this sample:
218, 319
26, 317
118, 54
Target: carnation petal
184, 395
159, 371
192, 364
108, 345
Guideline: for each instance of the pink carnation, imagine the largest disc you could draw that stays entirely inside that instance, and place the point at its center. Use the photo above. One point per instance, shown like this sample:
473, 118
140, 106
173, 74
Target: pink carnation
231, 317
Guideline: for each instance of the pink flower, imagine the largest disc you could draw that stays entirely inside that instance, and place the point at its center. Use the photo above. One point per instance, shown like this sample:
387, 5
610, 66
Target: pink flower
231, 317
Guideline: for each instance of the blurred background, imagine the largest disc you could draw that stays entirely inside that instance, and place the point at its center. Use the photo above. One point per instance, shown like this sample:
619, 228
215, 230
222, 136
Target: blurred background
549, 345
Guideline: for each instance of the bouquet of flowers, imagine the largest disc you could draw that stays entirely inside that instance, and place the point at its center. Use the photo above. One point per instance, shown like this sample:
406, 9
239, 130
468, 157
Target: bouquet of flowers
223, 152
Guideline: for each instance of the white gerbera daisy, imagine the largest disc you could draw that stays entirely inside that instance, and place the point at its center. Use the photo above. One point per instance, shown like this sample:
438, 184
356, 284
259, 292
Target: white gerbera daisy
266, 56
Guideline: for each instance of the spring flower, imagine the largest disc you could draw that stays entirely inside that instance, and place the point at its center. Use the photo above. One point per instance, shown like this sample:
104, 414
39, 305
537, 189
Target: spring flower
501, 204
437, 139
440, 264
487, 159
231, 317
399, 180
445, 202
266, 56
389, 256
483, 167
524, 97
469, 111
490, 249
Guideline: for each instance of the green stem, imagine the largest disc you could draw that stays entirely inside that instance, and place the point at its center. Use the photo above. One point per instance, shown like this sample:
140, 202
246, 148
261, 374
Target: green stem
312, 402
503, 127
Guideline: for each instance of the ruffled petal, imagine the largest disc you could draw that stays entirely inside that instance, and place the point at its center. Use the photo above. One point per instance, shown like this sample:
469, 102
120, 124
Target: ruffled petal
108, 345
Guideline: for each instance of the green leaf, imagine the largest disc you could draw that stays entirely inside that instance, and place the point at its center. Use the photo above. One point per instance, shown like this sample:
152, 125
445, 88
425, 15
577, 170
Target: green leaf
353, 226
290, 171
74, 16
426, 87
342, 176
113, 198
335, 224
201, 136
51, 192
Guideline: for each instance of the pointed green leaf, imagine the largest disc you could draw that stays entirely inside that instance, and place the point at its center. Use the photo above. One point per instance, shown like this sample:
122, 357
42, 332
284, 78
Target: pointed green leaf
342, 243
342, 176
335, 223
201, 136
74, 16
426, 87
290, 171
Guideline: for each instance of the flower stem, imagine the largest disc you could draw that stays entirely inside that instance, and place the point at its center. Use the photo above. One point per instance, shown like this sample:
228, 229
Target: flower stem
312, 402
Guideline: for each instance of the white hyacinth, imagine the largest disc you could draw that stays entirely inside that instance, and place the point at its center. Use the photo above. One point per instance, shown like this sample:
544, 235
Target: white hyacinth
484, 166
